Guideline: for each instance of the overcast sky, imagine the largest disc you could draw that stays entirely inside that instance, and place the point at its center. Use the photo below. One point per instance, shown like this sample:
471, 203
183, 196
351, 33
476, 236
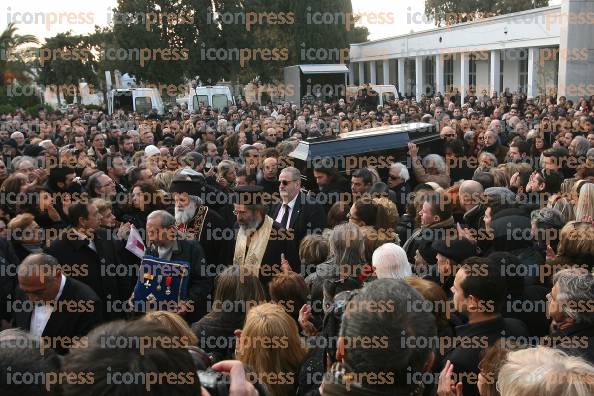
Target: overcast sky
403, 15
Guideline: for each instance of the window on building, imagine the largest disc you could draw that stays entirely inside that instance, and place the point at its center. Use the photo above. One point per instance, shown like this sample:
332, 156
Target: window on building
355, 66
448, 73
367, 75
393, 71
379, 72
429, 66
523, 75
411, 79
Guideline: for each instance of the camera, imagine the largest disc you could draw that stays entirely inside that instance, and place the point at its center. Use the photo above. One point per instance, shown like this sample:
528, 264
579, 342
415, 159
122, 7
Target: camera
216, 383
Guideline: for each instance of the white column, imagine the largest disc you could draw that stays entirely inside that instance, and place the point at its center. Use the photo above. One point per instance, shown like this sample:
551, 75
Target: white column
439, 81
386, 72
401, 77
494, 79
575, 72
533, 59
351, 73
361, 73
373, 74
464, 69
420, 76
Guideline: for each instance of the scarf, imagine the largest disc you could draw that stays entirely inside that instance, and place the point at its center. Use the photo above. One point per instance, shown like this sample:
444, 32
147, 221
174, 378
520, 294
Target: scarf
252, 259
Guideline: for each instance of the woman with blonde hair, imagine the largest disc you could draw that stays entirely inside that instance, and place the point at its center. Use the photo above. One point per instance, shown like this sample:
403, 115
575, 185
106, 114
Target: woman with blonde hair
576, 245
269, 343
584, 209
164, 179
175, 324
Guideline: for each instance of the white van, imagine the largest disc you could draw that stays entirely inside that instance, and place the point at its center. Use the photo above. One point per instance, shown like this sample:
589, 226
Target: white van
218, 97
140, 100
386, 92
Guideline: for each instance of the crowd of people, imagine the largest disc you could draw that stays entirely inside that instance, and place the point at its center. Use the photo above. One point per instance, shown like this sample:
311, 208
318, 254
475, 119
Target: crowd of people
462, 272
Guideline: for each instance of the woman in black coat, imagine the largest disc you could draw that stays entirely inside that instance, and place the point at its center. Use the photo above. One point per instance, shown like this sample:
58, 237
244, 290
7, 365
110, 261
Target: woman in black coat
235, 293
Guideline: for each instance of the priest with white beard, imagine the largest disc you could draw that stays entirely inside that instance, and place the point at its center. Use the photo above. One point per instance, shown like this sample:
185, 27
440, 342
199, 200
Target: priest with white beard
196, 221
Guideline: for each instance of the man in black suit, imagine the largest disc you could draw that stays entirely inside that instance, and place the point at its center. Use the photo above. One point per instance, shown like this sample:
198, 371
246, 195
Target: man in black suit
479, 291
92, 254
8, 279
49, 304
165, 242
262, 246
297, 212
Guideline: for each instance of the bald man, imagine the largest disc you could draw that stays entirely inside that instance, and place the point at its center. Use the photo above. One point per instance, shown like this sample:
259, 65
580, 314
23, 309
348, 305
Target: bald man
268, 178
470, 194
50, 305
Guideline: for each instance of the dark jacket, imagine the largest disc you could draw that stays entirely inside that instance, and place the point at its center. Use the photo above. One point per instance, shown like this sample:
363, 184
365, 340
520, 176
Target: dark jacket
270, 187
466, 357
20, 250
405, 227
8, 276
308, 217
402, 192
474, 217
424, 236
529, 306
577, 340
200, 282
97, 269
65, 323
335, 191
216, 333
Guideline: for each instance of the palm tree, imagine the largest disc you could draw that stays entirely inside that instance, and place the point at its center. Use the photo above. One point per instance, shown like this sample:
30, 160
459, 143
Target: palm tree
12, 63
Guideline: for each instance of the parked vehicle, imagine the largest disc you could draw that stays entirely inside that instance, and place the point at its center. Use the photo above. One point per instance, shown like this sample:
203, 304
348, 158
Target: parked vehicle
140, 100
218, 97
385, 93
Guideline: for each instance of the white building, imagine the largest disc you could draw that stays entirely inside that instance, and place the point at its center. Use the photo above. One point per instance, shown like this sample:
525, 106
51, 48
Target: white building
541, 51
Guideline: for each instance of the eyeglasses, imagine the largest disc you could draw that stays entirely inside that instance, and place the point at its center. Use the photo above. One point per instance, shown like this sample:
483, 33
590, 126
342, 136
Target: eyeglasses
286, 182
394, 177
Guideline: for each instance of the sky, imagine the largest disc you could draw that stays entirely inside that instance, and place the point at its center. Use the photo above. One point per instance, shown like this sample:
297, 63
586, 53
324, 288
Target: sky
46, 18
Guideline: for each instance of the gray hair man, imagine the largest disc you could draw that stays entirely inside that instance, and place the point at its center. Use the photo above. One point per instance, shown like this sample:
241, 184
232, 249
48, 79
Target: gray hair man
571, 307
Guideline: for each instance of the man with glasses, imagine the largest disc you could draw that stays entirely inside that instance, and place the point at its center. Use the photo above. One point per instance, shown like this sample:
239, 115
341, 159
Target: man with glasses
296, 212
398, 181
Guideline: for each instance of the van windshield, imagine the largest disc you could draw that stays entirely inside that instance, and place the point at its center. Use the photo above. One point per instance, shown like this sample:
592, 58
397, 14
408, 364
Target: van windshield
143, 104
219, 101
123, 101
200, 100
388, 96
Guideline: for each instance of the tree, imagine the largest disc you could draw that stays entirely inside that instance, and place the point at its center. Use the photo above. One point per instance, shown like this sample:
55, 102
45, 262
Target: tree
224, 41
70, 60
451, 12
13, 64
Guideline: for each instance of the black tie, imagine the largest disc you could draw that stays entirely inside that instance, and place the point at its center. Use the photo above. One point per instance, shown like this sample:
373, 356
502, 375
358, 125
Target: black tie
285, 219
